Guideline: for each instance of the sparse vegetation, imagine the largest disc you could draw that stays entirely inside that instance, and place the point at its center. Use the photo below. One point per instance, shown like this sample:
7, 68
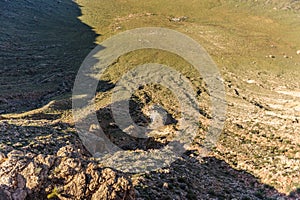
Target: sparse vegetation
254, 44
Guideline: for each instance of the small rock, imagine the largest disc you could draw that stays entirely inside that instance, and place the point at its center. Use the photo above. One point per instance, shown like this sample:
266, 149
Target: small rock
18, 144
15, 154
270, 56
66, 151
178, 19
165, 185
298, 52
250, 81
149, 14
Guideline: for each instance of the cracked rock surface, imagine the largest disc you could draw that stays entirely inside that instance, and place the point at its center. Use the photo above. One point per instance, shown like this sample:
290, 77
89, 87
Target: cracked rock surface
66, 175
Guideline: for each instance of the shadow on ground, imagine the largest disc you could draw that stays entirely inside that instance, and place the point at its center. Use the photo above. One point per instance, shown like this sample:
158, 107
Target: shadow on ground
42, 44
207, 178
190, 177
37, 137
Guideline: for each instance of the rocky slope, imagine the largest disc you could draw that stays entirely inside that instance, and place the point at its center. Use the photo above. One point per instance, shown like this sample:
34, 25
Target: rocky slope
257, 155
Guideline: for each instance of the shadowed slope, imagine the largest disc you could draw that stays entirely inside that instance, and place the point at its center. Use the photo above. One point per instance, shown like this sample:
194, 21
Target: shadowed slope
42, 45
